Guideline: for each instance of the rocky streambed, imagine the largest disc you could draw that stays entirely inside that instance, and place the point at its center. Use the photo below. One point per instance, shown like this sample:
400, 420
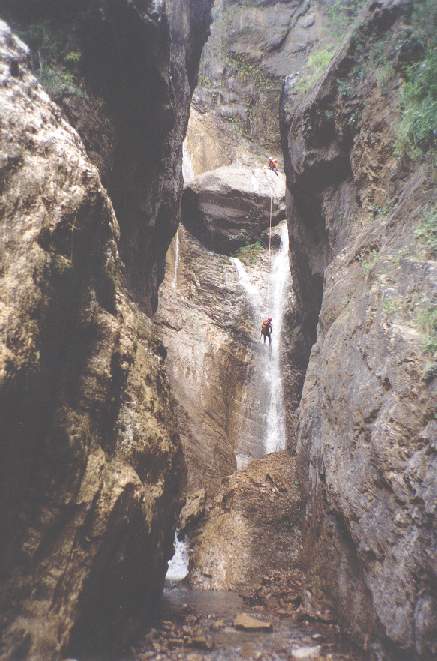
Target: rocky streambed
196, 625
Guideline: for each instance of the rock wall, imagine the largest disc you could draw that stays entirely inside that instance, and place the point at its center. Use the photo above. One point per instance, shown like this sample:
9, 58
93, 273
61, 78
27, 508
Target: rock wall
253, 44
91, 467
363, 281
129, 97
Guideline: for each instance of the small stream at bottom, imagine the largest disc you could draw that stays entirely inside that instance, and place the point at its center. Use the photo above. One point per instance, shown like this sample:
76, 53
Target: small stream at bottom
196, 625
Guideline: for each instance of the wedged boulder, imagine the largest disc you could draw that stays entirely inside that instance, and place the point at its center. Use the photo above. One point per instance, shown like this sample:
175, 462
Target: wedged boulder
230, 206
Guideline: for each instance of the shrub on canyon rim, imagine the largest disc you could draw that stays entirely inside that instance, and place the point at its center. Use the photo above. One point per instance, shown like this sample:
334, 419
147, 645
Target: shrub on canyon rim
317, 64
417, 130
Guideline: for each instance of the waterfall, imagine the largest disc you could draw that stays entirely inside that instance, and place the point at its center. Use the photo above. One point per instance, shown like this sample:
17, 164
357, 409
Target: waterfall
280, 275
251, 290
178, 565
269, 299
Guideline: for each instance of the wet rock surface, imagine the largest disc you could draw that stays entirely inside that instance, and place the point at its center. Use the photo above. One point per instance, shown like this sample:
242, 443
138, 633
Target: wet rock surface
199, 319
365, 447
212, 336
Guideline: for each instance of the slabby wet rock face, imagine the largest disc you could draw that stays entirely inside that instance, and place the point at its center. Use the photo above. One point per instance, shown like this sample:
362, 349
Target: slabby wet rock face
366, 441
91, 468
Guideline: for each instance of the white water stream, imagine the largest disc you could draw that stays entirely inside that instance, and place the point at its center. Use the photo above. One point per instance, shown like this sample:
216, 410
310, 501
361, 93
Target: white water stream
178, 565
269, 300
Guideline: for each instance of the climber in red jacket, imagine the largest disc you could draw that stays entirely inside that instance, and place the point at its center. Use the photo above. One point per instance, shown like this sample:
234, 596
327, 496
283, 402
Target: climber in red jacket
273, 165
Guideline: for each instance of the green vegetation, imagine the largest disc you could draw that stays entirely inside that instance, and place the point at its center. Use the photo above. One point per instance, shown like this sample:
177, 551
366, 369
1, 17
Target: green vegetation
418, 125
380, 212
57, 81
252, 73
342, 14
383, 74
317, 64
54, 61
73, 57
426, 232
250, 253
369, 260
205, 82
348, 87
427, 322
390, 306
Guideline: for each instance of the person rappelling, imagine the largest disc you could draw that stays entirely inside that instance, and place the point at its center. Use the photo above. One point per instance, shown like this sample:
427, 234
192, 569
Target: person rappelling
266, 330
273, 165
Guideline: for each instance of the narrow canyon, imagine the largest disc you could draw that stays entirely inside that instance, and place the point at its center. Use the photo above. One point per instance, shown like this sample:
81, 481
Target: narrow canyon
175, 484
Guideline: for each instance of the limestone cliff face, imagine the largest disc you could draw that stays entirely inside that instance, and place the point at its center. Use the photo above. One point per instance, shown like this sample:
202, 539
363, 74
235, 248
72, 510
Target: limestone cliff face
91, 468
363, 280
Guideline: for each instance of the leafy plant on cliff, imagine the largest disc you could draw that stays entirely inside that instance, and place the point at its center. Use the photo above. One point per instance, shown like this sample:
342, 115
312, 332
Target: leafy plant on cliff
418, 126
317, 64
426, 232
427, 322
252, 73
54, 62
369, 260
250, 253
417, 129
342, 14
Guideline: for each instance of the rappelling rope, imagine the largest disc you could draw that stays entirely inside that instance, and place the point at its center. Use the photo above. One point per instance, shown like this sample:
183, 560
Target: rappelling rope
270, 246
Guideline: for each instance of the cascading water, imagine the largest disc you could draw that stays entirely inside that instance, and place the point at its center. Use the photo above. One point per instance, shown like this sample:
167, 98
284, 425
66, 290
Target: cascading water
268, 298
178, 565
280, 274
